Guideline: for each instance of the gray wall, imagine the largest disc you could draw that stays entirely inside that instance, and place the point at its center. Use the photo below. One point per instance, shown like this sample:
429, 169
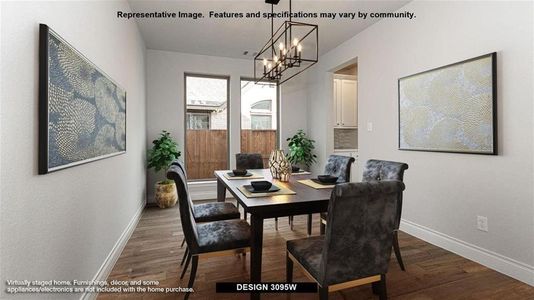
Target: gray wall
165, 98
445, 192
63, 225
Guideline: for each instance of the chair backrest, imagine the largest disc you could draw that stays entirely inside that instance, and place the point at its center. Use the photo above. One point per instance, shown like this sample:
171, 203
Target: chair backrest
182, 168
383, 170
339, 165
249, 161
386, 170
358, 239
186, 210
180, 164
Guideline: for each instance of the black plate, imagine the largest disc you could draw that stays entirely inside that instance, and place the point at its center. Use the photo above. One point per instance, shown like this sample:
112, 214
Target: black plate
322, 183
231, 174
273, 189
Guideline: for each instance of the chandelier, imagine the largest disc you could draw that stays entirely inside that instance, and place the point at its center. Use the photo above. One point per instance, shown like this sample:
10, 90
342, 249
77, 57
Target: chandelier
292, 48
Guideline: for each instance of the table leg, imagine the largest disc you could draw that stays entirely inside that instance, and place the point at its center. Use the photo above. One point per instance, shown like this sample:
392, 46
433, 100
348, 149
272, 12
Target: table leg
221, 191
256, 223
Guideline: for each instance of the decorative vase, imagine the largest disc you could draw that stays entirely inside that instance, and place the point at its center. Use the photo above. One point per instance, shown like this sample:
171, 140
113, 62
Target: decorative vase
279, 165
166, 195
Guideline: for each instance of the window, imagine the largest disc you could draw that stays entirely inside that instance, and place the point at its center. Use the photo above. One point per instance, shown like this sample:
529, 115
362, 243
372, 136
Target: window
206, 140
259, 118
260, 122
198, 121
263, 105
261, 115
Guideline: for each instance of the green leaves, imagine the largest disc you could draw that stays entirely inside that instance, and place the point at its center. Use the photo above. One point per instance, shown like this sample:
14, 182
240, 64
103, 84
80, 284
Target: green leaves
164, 151
300, 149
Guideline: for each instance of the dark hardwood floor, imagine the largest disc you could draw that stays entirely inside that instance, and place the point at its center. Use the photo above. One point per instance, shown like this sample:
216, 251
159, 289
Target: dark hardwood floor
154, 253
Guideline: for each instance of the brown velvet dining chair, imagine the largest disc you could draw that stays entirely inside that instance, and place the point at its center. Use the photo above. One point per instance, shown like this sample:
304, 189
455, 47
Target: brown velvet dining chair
356, 247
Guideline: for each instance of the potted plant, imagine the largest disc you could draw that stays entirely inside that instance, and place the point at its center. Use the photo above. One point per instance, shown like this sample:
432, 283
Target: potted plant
164, 151
300, 151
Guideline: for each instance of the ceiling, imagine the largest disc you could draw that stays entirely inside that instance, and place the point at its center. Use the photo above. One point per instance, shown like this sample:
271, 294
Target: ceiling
230, 37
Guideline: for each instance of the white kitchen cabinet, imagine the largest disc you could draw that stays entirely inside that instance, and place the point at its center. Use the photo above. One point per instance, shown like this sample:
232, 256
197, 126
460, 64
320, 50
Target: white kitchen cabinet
346, 102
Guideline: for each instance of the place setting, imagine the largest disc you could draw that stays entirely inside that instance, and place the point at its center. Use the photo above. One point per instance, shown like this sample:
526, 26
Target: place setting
264, 188
321, 182
298, 171
239, 174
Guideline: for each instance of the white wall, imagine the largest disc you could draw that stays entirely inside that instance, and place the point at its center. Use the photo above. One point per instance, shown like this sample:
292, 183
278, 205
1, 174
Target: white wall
165, 99
445, 192
63, 225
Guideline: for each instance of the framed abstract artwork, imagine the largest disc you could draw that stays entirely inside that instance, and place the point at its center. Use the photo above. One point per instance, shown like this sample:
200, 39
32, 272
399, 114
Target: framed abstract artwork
82, 111
451, 108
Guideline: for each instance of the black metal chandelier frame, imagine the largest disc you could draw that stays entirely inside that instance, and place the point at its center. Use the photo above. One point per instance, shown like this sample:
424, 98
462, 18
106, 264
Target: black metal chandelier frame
289, 55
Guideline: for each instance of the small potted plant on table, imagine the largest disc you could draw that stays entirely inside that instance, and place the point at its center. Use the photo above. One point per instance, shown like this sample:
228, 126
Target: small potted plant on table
300, 151
164, 151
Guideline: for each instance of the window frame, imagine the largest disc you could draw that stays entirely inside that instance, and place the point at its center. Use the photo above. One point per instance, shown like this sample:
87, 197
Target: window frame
228, 105
278, 110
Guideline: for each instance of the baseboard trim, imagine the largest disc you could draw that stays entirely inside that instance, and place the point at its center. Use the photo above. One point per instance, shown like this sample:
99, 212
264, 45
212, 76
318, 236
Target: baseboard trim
113, 256
500, 263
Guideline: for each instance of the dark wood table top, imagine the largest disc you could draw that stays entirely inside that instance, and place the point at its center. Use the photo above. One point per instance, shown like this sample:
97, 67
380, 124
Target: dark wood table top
278, 205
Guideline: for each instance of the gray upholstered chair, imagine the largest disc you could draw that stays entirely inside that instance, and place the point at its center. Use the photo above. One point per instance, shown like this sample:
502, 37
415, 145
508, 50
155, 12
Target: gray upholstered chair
207, 212
212, 211
357, 245
210, 238
376, 170
337, 165
248, 161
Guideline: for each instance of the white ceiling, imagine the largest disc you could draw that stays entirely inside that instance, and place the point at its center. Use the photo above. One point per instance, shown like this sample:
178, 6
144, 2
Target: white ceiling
231, 37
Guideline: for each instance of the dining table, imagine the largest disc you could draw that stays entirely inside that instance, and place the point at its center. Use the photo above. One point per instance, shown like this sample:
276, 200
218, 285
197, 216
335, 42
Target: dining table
305, 200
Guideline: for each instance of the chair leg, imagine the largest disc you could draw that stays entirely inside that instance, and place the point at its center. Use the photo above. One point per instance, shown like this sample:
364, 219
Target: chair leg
186, 252
375, 286
245, 213
323, 293
192, 275
322, 228
291, 222
396, 248
186, 266
289, 269
309, 224
276, 224
379, 287
183, 242
383, 293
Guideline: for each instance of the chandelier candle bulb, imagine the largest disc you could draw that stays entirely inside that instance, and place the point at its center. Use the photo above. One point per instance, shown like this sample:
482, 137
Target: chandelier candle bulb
283, 51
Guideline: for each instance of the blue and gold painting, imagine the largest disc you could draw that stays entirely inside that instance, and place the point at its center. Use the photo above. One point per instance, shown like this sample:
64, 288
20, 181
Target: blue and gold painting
86, 110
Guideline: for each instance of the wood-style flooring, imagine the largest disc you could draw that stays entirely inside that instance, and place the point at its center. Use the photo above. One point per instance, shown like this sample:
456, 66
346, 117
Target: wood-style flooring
153, 253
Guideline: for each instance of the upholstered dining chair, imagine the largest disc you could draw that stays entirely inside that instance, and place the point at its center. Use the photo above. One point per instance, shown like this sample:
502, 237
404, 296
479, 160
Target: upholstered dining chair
250, 161
207, 239
356, 247
339, 166
376, 170
207, 212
